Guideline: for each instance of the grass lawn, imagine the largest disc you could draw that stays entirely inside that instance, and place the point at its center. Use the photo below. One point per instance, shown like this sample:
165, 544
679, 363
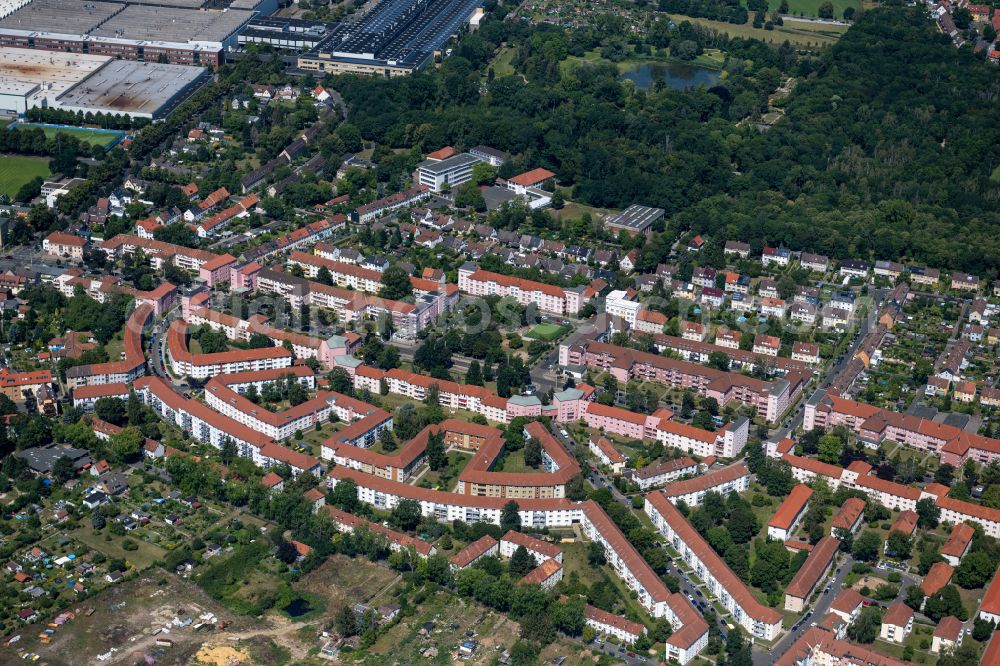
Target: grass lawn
16, 170
575, 561
503, 63
797, 34
313, 438
547, 332
91, 136
115, 347
811, 7
573, 210
514, 462
140, 559
447, 478
343, 580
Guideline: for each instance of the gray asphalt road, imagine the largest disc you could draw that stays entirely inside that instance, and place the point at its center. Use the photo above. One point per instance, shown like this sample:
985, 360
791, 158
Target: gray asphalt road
831, 373
815, 614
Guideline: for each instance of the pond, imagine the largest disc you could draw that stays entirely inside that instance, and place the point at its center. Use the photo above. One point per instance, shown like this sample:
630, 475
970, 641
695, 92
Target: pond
677, 75
297, 607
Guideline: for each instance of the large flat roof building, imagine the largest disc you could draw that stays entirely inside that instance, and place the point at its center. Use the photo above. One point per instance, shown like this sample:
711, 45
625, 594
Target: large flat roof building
130, 88
31, 78
455, 170
635, 219
182, 32
394, 38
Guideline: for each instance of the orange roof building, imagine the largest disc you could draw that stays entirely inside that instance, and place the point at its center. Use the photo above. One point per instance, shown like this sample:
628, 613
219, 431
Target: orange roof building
937, 577
958, 543
809, 575
532, 178
788, 514
485, 546
849, 516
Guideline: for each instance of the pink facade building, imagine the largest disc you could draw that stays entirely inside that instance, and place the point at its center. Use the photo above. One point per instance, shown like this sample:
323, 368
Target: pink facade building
216, 271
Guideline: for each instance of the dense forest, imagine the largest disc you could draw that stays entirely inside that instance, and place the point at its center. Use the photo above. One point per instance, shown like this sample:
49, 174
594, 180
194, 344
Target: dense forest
885, 151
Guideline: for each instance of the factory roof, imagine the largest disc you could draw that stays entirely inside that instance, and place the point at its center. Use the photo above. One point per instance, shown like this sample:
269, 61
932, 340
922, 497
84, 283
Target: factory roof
128, 86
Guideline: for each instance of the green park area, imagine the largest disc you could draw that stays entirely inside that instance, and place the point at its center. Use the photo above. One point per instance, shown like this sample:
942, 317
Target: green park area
546, 332
93, 137
16, 170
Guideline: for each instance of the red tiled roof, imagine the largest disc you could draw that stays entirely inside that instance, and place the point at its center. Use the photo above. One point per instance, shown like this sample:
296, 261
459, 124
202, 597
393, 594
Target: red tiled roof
969, 509
685, 430
412, 450
617, 413
626, 552
62, 238
812, 569
134, 355
937, 577
473, 551
949, 628
441, 153
542, 573
849, 513
937, 489
842, 652
533, 177
611, 620
693, 626
270, 480
353, 522
898, 614
992, 653
268, 375
10, 379
293, 458
419, 494
219, 261
478, 470
959, 540
706, 481
156, 247
531, 543
613, 454
719, 569
177, 346
905, 523
177, 402
676, 464
889, 487
847, 601
481, 275
791, 507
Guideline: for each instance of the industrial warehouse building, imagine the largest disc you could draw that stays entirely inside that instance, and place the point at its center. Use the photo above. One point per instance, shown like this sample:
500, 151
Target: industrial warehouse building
90, 83
182, 32
32, 78
395, 38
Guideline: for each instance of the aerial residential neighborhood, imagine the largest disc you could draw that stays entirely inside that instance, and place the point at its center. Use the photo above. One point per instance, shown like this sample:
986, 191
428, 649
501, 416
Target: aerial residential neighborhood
535, 333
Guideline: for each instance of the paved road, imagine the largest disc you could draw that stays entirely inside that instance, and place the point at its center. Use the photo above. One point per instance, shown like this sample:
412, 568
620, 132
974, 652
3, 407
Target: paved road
831, 373
816, 614
34, 259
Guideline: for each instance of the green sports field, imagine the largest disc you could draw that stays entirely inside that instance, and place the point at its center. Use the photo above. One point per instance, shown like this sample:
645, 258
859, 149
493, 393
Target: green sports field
547, 332
16, 170
93, 137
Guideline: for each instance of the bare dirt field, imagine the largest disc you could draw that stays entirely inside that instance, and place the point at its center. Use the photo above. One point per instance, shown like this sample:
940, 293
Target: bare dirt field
127, 620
